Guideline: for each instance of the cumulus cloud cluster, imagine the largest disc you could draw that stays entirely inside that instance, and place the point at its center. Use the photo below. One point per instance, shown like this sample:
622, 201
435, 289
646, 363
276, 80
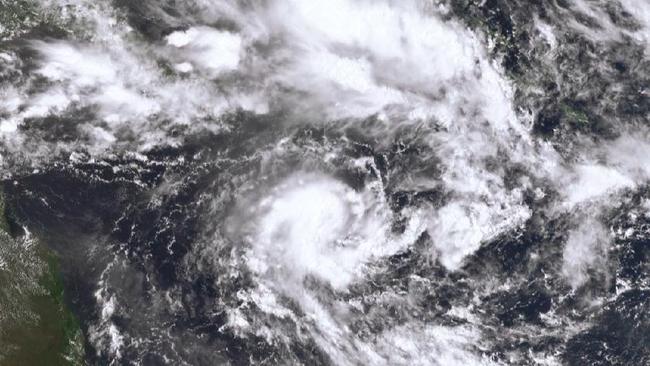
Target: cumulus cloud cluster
585, 251
343, 60
400, 63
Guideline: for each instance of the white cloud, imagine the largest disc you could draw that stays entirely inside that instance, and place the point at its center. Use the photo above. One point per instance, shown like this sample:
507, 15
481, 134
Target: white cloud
585, 250
640, 10
458, 229
594, 181
315, 225
630, 153
338, 59
213, 50
414, 344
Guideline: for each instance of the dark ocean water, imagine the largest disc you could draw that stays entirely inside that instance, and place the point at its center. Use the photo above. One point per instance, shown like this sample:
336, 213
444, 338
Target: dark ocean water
345, 182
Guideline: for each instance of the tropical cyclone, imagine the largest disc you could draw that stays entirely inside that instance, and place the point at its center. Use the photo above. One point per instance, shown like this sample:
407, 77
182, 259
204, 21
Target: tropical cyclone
344, 182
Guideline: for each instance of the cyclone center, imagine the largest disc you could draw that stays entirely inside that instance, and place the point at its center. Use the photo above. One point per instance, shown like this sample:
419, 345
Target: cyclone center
304, 226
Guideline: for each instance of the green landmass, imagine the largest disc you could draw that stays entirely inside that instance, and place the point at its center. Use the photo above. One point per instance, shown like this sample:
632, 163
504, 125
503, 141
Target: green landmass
574, 116
36, 326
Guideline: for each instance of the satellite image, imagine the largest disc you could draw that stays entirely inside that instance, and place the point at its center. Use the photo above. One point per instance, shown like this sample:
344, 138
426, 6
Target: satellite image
325, 182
